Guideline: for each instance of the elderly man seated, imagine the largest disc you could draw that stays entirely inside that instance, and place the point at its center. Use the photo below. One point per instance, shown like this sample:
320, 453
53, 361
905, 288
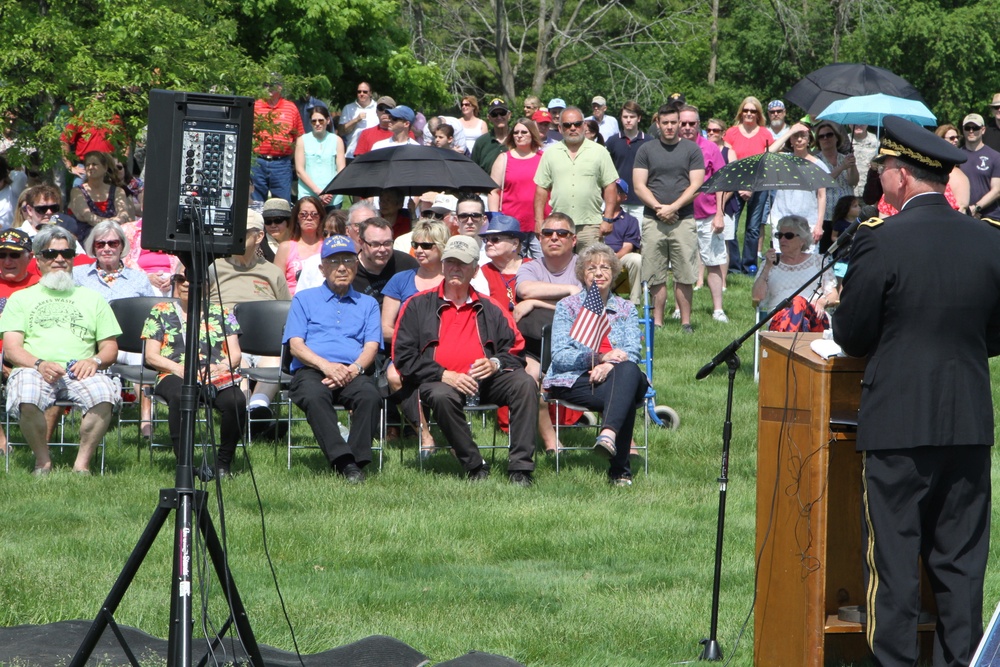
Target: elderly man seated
333, 333
451, 343
57, 336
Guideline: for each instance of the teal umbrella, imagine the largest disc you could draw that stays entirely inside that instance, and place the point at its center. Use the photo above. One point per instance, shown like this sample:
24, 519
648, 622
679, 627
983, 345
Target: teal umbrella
871, 109
768, 171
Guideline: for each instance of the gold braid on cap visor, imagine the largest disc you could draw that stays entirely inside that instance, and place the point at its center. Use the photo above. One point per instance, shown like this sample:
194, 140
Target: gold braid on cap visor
890, 147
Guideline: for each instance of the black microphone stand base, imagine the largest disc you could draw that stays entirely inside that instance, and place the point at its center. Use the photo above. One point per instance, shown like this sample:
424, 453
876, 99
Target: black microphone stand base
711, 651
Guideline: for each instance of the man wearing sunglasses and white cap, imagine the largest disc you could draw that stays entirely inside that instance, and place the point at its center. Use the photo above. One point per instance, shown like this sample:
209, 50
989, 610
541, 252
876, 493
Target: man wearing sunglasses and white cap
58, 336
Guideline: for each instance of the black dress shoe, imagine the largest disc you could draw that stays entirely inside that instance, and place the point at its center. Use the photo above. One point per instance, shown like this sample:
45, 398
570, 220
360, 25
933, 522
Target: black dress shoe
480, 473
521, 478
353, 474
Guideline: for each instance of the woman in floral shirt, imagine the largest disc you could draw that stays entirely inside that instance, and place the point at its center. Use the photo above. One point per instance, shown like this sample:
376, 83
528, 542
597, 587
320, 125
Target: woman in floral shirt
219, 357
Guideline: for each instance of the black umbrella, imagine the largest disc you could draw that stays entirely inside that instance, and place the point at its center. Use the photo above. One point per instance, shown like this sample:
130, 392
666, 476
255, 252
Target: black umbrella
818, 89
769, 171
411, 169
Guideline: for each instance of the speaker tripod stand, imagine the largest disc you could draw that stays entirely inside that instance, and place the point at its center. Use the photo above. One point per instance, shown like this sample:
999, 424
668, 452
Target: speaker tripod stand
188, 504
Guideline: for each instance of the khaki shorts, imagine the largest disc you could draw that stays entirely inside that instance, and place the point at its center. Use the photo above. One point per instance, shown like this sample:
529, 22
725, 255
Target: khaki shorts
669, 247
711, 246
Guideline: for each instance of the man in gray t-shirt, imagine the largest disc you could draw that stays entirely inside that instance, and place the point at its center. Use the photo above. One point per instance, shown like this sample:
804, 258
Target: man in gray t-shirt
666, 177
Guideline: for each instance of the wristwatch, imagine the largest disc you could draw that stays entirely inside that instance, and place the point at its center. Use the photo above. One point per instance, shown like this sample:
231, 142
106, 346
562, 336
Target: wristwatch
38, 362
607, 219
361, 371
496, 364
97, 360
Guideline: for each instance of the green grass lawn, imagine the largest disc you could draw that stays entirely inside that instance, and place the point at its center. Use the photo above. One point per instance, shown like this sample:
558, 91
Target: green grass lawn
572, 572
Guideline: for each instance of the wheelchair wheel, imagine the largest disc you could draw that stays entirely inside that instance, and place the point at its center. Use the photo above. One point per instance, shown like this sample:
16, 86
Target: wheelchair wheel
668, 416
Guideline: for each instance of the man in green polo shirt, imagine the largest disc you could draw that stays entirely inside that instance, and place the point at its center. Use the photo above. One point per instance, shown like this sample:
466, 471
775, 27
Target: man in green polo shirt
578, 178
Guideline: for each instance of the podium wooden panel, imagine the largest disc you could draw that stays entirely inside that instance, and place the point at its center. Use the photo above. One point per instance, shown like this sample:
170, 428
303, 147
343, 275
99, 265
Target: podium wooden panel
808, 508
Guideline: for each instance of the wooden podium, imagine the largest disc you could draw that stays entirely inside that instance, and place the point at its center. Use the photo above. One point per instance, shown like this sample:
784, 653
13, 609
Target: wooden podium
808, 508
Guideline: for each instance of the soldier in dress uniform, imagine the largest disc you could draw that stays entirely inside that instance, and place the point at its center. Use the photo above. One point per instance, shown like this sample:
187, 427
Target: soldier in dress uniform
921, 300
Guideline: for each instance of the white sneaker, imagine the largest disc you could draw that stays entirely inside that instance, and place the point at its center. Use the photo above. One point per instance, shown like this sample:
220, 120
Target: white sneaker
719, 316
677, 314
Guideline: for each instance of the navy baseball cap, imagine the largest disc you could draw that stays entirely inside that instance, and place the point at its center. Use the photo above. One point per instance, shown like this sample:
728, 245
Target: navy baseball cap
336, 245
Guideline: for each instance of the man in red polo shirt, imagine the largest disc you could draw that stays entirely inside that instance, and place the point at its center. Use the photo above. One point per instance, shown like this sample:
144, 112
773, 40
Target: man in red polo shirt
451, 343
272, 170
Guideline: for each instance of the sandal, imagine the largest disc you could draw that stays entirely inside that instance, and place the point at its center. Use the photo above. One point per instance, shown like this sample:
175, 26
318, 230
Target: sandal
605, 446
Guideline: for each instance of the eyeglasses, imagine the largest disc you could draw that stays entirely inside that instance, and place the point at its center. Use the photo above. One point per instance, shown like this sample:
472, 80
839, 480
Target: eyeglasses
788, 236
576, 123
308, 215
11, 255
496, 238
601, 268
382, 108
465, 104
971, 128
46, 208
470, 216
276, 221
518, 133
318, 121
713, 130
435, 215
384, 244
423, 245
51, 253
828, 135
361, 91
776, 111
114, 244
952, 137
689, 123
178, 279
753, 111
561, 233
882, 168
497, 113
341, 261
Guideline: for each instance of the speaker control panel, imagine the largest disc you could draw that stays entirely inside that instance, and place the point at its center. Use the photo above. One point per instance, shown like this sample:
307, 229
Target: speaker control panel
208, 175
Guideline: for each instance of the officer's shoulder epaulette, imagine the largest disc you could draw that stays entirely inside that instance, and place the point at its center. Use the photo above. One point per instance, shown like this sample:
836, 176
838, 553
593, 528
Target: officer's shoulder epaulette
872, 222
995, 224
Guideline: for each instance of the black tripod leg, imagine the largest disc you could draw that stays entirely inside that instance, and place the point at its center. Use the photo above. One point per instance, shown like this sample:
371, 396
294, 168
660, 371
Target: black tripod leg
238, 611
124, 580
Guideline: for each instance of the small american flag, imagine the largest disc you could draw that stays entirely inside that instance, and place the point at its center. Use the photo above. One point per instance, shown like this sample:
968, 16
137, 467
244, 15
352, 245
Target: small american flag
591, 325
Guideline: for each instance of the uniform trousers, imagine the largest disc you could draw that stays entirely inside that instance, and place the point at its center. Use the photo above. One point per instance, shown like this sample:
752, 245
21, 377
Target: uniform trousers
931, 502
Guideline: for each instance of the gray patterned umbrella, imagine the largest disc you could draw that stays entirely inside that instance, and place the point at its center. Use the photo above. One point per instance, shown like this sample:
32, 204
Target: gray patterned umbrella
768, 171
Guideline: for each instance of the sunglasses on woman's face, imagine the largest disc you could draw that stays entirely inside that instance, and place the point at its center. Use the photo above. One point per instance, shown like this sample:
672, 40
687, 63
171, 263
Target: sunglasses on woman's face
114, 244
423, 245
46, 208
788, 236
179, 279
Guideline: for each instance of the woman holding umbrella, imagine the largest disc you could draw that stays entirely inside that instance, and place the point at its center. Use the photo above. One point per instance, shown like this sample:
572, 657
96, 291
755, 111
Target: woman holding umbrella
749, 136
808, 204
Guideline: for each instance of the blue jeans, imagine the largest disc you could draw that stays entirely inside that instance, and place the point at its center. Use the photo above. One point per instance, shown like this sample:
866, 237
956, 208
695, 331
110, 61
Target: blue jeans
274, 176
756, 207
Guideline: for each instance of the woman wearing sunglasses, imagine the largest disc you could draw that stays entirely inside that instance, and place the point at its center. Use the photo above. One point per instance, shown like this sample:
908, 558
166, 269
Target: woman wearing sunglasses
473, 126
748, 136
784, 272
843, 169
110, 278
306, 241
319, 156
428, 242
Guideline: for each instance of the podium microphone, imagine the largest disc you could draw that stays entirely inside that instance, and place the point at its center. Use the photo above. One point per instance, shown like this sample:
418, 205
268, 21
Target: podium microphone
867, 213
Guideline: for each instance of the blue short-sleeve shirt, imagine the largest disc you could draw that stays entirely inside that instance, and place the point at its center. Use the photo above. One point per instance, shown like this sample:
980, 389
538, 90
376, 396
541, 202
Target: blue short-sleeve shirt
336, 328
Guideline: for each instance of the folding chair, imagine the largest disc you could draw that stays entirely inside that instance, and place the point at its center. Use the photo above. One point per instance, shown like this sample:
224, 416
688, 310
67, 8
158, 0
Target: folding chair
263, 327
482, 409
131, 314
546, 361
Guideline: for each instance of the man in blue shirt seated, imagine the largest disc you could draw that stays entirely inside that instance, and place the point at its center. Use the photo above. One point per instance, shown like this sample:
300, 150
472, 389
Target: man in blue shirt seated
334, 332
